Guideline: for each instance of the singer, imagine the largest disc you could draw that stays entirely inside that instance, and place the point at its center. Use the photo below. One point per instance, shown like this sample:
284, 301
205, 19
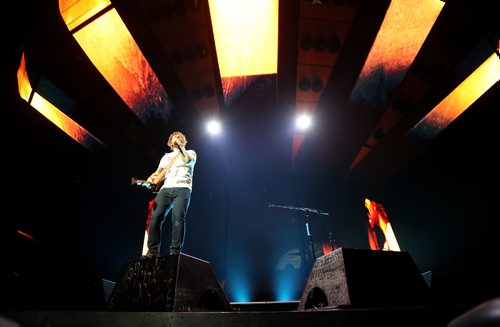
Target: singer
175, 174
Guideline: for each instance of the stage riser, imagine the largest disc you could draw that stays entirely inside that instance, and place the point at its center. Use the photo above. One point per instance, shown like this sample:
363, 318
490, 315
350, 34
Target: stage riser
174, 283
365, 278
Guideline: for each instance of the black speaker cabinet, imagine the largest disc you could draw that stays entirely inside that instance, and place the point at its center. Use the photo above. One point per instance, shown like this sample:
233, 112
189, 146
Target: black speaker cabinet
365, 278
170, 283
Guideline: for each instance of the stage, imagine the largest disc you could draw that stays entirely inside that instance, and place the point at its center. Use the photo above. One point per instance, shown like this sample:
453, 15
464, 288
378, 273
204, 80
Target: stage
181, 290
247, 314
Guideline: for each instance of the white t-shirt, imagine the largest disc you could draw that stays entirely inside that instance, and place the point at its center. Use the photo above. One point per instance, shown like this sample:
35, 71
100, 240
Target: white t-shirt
180, 174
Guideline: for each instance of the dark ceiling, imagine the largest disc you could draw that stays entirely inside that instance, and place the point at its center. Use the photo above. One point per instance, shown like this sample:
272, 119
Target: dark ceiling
454, 47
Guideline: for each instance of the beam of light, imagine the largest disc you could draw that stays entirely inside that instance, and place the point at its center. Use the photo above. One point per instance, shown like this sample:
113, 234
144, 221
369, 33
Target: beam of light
246, 36
52, 113
237, 280
461, 98
286, 284
288, 276
401, 35
104, 38
296, 143
238, 289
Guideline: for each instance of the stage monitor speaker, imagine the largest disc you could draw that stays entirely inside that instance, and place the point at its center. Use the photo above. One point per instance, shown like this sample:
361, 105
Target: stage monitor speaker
361, 277
173, 283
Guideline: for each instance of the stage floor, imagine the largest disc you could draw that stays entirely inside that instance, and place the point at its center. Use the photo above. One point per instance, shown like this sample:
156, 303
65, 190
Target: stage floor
256, 314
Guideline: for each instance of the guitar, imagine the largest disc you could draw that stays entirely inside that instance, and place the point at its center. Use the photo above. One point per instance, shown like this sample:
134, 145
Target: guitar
146, 184
158, 179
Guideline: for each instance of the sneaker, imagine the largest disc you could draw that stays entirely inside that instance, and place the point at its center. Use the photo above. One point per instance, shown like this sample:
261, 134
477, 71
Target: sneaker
174, 252
150, 255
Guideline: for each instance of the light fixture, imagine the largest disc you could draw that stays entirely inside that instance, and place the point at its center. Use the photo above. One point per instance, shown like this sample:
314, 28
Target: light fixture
303, 122
213, 127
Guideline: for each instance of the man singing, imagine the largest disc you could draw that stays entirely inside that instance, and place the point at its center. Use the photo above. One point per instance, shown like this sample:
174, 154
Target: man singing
175, 173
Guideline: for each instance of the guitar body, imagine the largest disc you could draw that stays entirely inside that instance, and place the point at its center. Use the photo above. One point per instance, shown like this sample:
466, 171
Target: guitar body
159, 178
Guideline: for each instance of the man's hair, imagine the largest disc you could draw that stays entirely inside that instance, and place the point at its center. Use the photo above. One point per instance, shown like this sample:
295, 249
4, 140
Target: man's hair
170, 144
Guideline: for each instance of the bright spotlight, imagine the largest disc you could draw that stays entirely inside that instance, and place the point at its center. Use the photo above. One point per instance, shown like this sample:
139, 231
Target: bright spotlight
303, 122
213, 127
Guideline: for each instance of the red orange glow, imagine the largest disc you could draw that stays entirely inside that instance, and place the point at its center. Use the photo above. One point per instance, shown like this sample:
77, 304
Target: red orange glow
246, 36
296, 143
26, 235
65, 123
473, 87
76, 12
111, 48
378, 217
23, 82
403, 31
52, 113
328, 247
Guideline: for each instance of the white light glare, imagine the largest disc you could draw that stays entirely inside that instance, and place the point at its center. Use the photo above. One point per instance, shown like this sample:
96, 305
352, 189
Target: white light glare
213, 127
303, 122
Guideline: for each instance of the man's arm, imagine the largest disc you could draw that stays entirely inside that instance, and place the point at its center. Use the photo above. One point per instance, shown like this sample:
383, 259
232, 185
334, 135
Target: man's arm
153, 179
184, 154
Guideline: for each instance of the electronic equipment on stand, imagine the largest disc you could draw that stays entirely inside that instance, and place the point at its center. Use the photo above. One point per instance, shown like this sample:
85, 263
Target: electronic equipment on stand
306, 214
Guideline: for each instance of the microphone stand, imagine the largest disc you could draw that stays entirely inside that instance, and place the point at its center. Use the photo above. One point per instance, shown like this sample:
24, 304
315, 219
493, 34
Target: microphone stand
306, 214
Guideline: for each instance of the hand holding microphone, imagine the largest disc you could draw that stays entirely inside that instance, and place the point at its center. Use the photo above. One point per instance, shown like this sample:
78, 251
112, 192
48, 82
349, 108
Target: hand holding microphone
179, 146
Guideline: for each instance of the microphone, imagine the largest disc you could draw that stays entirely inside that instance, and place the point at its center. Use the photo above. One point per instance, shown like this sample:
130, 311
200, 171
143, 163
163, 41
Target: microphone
179, 147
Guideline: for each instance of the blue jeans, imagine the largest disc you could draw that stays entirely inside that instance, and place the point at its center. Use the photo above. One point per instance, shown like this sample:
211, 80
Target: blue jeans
176, 199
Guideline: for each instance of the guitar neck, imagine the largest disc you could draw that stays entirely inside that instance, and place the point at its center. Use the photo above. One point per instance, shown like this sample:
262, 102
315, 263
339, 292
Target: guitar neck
156, 185
143, 183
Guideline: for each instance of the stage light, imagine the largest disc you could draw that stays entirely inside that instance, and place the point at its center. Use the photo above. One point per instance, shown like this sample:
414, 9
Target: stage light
213, 127
303, 122
317, 84
405, 28
56, 106
334, 45
109, 45
304, 84
246, 36
320, 45
307, 43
